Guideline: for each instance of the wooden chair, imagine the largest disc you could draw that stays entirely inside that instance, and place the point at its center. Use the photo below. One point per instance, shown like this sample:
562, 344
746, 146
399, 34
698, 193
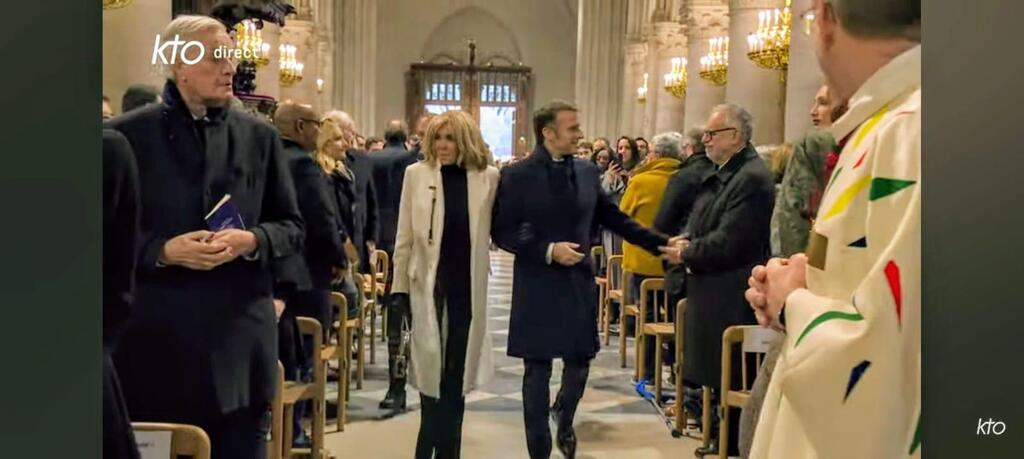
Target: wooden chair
627, 310
342, 352
613, 292
603, 314
652, 297
295, 392
754, 340
374, 288
277, 417
661, 329
678, 369
186, 440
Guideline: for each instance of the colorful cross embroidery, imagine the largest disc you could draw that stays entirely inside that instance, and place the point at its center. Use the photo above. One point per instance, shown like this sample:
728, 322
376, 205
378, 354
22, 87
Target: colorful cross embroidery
861, 160
859, 243
882, 187
846, 198
892, 274
825, 317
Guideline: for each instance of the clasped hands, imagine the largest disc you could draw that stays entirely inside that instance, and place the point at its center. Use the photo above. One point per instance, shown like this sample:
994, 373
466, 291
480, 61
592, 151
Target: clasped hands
771, 284
204, 250
673, 252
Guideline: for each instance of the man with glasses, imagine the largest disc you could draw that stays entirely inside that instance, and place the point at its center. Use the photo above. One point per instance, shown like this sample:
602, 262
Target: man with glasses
728, 236
303, 280
848, 380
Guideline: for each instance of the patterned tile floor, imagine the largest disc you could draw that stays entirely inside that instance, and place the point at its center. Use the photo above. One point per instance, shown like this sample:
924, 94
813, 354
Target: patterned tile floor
612, 421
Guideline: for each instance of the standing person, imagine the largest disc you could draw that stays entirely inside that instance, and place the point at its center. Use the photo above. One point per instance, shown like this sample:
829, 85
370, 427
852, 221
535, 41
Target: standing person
728, 235
120, 233
851, 307
600, 143
602, 158
613, 184
201, 347
810, 166
446, 209
640, 202
545, 208
364, 214
139, 95
304, 279
388, 174
643, 149
584, 150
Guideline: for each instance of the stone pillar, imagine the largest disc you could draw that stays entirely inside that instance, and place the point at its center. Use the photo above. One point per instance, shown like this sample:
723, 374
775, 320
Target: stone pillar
267, 83
670, 40
355, 82
638, 17
599, 72
323, 16
758, 90
804, 77
705, 19
128, 36
632, 110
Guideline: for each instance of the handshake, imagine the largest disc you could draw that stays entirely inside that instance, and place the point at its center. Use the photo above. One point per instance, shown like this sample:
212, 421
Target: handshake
673, 252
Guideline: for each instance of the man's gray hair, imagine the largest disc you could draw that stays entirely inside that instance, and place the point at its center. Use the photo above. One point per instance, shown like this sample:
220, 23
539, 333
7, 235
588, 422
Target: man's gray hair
695, 137
737, 117
343, 119
880, 18
668, 144
187, 26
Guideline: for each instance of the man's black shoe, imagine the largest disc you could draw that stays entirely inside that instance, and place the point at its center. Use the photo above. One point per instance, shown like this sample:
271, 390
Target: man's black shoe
566, 442
711, 450
302, 441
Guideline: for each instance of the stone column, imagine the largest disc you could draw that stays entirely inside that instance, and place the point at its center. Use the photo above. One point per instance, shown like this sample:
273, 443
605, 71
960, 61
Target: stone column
638, 18
804, 77
670, 42
758, 90
599, 72
267, 83
128, 36
705, 19
355, 83
632, 110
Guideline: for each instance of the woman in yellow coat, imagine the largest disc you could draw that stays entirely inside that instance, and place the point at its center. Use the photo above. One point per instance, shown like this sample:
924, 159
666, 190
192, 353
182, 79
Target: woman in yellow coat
640, 202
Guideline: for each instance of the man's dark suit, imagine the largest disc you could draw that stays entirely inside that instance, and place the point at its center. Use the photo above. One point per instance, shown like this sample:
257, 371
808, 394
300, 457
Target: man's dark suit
674, 213
388, 172
542, 201
201, 346
120, 233
366, 221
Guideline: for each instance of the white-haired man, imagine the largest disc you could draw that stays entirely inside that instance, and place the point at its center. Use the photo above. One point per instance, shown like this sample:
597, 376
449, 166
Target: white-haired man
848, 380
201, 347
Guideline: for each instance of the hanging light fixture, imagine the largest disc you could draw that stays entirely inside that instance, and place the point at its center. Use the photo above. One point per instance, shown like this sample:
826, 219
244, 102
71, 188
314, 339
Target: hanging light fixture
675, 80
714, 66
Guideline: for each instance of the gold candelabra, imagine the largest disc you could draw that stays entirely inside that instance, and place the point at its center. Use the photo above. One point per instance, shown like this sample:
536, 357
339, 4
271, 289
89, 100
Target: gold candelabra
675, 80
249, 40
641, 92
290, 68
115, 4
714, 66
768, 46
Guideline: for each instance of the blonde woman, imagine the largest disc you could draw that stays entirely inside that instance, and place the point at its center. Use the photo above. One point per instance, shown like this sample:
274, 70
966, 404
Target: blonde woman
446, 208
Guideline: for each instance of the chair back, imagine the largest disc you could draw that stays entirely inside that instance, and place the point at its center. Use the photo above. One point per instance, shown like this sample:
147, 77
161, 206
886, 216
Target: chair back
754, 342
186, 440
597, 257
614, 272
653, 295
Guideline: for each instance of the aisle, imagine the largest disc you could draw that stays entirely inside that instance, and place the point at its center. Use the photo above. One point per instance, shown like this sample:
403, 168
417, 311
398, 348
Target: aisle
612, 421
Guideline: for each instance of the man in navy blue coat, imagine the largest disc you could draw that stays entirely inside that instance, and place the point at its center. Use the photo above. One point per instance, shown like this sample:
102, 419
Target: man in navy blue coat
201, 345
545, 208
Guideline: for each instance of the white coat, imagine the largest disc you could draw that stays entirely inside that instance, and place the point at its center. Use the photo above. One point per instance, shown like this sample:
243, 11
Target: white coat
417, 250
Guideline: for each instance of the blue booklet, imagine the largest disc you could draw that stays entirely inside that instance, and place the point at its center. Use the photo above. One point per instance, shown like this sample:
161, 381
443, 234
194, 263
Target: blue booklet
224, 216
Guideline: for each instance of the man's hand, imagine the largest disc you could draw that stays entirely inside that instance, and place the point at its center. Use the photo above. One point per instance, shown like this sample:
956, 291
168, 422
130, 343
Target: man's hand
371, 246
242, 242
782, 278
564, 253
673, 252
351, 252
192, 251
278, 308
756, 294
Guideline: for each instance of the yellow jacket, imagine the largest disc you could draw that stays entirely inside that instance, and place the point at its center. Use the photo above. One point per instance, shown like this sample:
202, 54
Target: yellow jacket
640, 202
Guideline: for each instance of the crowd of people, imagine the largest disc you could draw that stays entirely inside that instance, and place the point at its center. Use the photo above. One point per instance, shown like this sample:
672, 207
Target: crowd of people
221, 229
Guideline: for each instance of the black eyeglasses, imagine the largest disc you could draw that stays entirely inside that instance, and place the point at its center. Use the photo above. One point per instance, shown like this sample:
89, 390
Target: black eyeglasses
711, 134
315, 122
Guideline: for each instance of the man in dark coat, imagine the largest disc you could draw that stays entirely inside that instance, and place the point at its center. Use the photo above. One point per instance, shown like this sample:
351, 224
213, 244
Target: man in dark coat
201, 347
388, 173
545, 208
303, 280
728, 236
120, 233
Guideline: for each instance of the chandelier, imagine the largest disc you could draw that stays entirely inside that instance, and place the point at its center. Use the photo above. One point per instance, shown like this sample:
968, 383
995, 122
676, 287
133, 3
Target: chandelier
675, 80
249, 40
641, 92
768, 46
714, 66
290, 68
115, 4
